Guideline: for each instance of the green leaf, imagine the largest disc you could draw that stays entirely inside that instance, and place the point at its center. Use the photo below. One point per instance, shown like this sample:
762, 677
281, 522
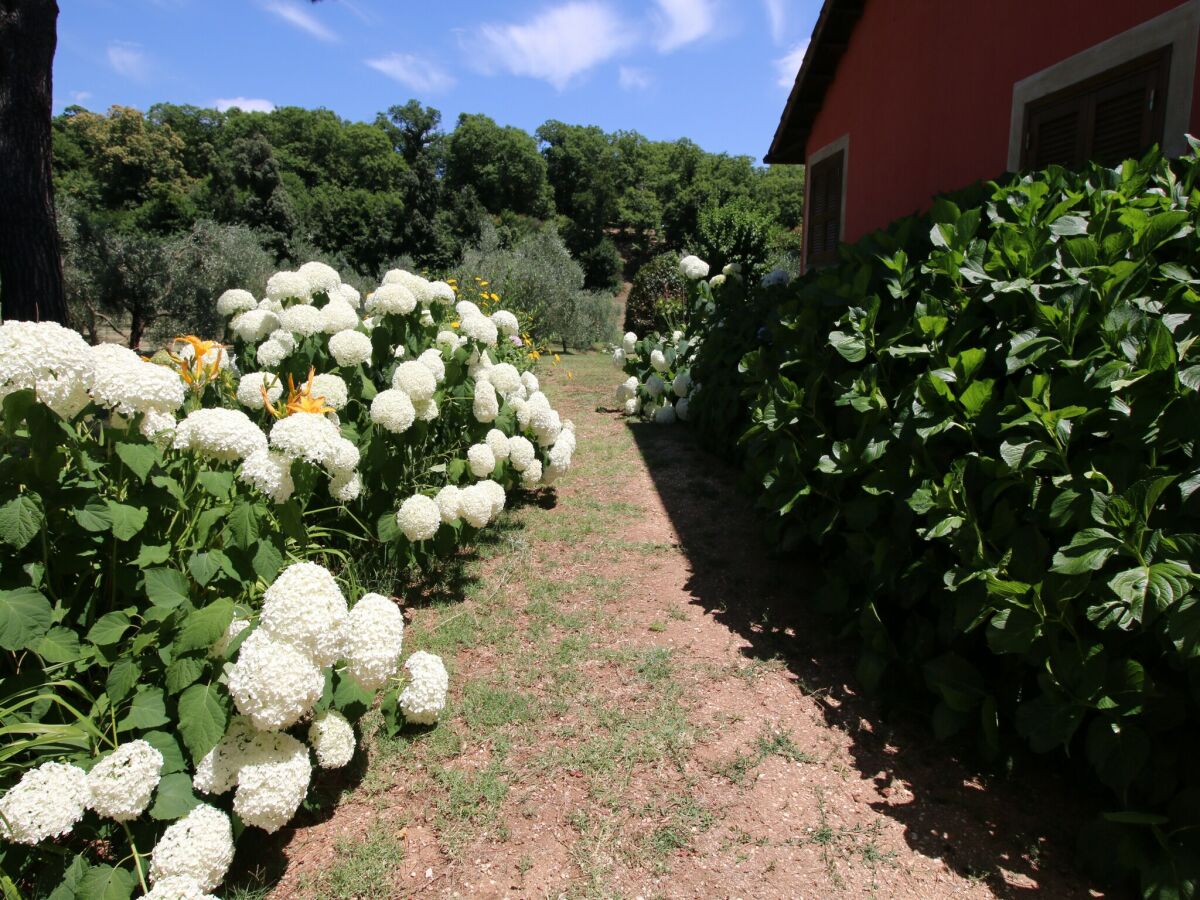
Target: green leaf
1048, 721
204, 627
959, 683
122, 678
127, 521
183, 672
166, 587
1088, 551
175, 798
148, 710
95, 517
203, 716
243, 523
109, 628
165, 744
58, 645
852, 347
138, 458
204, 566
387, 529
1069, 225
106, 883
25, 616
267, 561
20, 521
1162, 584
976, 396
1013, 630
152, 555
216, 483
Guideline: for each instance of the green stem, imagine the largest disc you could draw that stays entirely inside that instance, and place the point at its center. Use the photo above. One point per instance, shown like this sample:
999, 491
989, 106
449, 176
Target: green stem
137, 858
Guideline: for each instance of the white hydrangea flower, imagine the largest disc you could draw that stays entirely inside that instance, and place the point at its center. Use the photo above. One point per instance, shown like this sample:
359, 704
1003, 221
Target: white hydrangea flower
227, 435
393, 410
693, 268
217, 771
424, 697
532, 476
391, 298
410, 280
199, 846
448, 341
618, 358
288, 286
716, 281
521, 452
307, 436
480, 328
372, 639
250, 389
399, 352
427, 318
304, 607
676, 336
270, 353
273, 780
273, 683
350, 348
178, 887
302, 319
441, 292
664, 415
124, 382
475, 505
345, 486
485, 406
419, 517
232, 632
633, 406
681, 409
416, 380
322, 279
427, 411
520, 406
559, 462
284, 338
776, 278
332, 738
497, 441
447, 500
465, 309
658, 361
338, 315
235, 301
682, 384
478, 364
347, 294
495, 494
481, 460
530, 382
505, 378
627, 388
254, 324
655, 386
158, 427
432, 360
732, 270
332, 389
46, 802
506, 322
269, 472
121, 784
628, 342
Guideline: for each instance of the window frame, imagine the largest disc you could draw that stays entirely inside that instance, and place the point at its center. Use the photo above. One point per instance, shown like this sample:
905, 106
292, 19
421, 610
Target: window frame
825, 154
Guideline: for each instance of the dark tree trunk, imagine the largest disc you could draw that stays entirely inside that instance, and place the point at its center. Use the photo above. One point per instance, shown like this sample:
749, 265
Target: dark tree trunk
31, 279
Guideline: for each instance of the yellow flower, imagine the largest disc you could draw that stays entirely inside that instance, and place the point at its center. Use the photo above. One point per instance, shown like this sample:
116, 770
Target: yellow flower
300, 400
570, 376
495, 297
482, 283
455, 324
534, 355
557, 359
194, 371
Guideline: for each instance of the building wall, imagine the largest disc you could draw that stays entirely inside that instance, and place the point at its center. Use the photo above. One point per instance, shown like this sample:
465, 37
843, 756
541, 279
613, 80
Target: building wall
925, 89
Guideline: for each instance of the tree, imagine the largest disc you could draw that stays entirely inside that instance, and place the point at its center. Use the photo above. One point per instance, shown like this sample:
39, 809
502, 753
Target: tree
31, 279
502, 165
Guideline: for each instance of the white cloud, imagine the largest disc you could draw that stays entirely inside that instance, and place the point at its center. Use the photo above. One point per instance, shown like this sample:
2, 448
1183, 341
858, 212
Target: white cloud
632, 79
681, 22
412, 71
557, 44
127, 59
301, 18
245, 104
80, 97
788, 66
777, 16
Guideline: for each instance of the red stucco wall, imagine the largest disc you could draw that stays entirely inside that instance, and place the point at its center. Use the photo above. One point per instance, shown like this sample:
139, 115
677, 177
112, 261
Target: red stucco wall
924, 91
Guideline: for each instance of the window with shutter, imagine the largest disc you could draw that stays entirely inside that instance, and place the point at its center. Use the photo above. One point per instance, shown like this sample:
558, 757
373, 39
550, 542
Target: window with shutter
1113, 116
823, 218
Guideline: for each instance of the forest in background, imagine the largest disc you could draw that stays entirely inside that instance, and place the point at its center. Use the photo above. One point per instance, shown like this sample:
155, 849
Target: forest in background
160, 211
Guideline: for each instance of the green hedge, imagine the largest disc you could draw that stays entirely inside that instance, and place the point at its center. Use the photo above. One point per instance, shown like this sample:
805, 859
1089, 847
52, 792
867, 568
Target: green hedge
657, 296
986, 418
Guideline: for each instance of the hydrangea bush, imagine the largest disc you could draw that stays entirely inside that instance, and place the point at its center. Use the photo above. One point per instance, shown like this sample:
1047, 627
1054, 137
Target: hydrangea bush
183, 640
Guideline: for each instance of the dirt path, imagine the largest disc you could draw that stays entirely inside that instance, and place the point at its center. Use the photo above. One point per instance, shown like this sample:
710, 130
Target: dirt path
635, 713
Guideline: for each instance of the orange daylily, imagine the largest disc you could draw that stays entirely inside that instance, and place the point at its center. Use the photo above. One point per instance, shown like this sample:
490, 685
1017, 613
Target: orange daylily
300, 400
194, 371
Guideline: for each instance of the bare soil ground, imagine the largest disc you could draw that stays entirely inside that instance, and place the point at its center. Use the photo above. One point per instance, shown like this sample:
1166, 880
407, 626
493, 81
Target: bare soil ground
642, 707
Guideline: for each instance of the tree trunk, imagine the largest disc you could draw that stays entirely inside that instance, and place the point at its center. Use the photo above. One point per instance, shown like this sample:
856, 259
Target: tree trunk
31, 278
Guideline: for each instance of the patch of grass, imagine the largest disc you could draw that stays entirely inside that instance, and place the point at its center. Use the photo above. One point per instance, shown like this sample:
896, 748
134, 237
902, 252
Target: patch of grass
364, 865
683, 818
846, 843
485, 705
770, 742
470, 800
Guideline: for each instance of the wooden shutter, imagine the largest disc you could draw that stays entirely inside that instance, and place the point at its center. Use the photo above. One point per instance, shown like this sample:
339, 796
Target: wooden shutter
1108, 118
823, 218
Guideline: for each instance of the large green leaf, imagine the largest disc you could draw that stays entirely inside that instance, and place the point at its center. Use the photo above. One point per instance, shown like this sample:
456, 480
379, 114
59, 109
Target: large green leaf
106, 883
127, 521
174, 798
1088, 551
166, 587
109, 628
852, 347
20, 521
204, 627
140, 458
25, 616
148, 710
203, 716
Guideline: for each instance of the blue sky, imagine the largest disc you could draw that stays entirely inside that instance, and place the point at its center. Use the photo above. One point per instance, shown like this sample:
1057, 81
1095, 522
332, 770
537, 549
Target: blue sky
716, 71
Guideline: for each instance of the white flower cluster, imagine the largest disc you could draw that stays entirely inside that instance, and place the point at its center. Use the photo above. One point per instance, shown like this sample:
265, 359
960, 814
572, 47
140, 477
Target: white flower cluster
665, 395
226, 435
313, 438
424, 697
332, 739
46, 802
120, 785
48, 359
197, 848
693, 268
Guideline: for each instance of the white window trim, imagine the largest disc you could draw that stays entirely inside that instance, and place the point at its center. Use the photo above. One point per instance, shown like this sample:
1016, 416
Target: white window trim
842, 144
1179, 27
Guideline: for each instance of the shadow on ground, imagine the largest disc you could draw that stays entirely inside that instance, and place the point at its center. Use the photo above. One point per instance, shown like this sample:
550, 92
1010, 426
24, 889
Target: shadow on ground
976, 824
